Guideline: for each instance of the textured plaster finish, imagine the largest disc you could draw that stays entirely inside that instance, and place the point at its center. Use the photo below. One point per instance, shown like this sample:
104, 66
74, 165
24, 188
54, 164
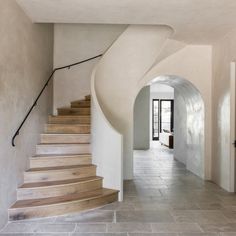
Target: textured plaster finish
180, 130
142, 120
117, 75
194, 64
73, 43
194, 21
25, 64
224, 52
189, 124
107, 148
135, 52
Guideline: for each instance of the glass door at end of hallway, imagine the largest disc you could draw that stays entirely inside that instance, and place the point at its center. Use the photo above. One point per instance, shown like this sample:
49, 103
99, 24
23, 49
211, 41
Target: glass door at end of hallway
155, 119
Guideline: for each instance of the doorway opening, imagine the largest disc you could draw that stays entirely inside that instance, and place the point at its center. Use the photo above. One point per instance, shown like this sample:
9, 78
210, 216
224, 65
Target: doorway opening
172, 119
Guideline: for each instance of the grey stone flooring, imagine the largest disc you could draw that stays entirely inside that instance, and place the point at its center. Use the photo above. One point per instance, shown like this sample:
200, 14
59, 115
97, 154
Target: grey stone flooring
164, 199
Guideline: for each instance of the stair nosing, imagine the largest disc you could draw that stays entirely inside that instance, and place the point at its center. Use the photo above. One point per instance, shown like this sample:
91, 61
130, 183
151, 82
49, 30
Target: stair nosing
85, 134
60, 156
61, 144
67, 124
69, 115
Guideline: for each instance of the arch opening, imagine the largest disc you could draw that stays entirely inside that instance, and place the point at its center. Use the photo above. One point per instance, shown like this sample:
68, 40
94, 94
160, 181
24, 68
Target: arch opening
189, 129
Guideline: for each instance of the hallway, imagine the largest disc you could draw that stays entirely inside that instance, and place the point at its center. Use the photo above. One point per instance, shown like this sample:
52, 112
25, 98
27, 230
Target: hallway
163, 198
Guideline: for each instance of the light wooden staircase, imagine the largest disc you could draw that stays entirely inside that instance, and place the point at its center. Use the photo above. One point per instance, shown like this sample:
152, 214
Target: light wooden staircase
62, 178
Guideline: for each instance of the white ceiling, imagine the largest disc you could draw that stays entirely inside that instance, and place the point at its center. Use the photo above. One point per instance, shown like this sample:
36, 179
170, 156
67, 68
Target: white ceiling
194, 21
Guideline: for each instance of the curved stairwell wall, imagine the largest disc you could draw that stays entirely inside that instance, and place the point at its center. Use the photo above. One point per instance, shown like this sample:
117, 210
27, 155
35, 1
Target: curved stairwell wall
107, 148
138, 56
118, 73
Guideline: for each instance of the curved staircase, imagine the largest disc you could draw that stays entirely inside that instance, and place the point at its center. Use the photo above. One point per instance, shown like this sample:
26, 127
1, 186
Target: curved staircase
62, 178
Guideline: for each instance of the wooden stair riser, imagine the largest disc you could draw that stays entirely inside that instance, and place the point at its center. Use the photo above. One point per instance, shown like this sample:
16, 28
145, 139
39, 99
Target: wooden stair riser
77, 104
88, 97
58, 190
67, 129
45, 149
56, 175
73, 111
60, 209
65, 138
41, 162
69, 119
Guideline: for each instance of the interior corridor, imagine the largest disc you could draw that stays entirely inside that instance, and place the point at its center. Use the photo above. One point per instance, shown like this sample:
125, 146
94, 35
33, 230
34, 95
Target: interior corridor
163, 198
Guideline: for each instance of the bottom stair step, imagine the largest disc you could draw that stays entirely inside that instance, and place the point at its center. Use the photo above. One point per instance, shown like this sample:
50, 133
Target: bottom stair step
58, 188
27, 209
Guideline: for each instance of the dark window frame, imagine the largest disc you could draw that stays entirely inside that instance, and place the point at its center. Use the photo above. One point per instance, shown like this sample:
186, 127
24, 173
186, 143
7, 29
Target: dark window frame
155, 138
171, 116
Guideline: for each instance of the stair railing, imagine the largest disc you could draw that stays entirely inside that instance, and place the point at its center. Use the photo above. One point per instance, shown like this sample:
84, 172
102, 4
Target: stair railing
40, 93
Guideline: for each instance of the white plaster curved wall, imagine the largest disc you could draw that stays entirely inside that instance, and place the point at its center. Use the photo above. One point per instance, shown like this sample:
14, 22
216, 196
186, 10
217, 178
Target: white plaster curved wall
193, 63
107, 146
117, 76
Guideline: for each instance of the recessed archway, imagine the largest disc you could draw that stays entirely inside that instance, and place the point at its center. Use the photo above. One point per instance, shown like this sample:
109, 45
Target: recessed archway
189, 131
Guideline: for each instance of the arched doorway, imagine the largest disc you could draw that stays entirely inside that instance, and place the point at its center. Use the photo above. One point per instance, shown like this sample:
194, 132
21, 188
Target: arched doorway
189, 130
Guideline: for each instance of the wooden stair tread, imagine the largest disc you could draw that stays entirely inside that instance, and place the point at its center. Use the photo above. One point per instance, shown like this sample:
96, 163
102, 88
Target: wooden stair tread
59, 168
71, 116
74, 108
60, 155
65, 134
59, 182
62, 144
63, 199
62, 124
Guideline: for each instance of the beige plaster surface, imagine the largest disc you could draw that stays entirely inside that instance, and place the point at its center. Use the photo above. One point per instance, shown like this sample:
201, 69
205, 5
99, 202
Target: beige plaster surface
25, 63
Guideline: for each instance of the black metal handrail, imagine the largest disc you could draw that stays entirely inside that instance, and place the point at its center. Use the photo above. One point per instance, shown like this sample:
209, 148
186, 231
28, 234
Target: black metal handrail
46, 84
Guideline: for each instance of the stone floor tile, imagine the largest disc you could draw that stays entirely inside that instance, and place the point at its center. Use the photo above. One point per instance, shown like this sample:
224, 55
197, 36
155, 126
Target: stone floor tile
19, 228
119, 206
230, 215
87, 217
176, 228
153, 234
91, 228
99, 234
143, 216
52, 234
17, 234
219, 227
199, 216
55, 228
129, 227
228, 234
199, 234
209, 206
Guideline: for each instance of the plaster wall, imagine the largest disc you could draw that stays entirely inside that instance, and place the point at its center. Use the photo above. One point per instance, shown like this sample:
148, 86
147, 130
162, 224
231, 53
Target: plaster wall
117, 75
142, 120
194, 64
25, 63
224, 52
180, 128
125, 69
73, 43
